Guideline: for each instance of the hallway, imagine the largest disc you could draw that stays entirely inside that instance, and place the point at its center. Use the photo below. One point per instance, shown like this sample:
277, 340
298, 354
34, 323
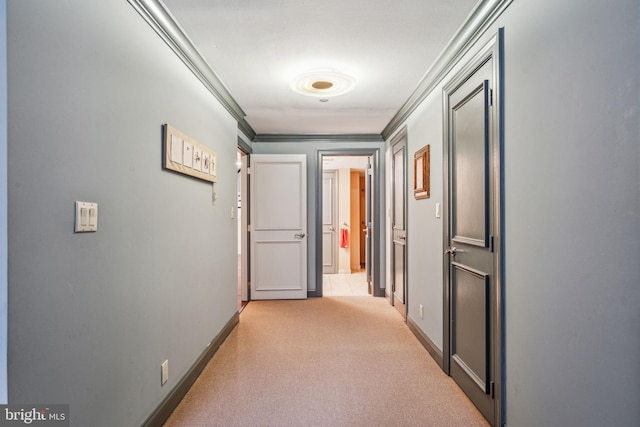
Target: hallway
344, 285
323, 362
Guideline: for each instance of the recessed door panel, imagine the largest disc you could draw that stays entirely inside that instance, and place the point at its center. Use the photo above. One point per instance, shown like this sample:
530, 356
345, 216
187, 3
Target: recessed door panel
279, 184
469, 174
469, 334
270, 257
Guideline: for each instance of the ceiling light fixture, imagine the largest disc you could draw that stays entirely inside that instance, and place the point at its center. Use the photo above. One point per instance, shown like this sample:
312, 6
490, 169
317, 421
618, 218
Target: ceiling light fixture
323, 83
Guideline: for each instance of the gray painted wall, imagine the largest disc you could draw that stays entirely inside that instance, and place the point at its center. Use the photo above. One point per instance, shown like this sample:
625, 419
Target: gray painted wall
572, 213
3, 202
311, 150
92, 316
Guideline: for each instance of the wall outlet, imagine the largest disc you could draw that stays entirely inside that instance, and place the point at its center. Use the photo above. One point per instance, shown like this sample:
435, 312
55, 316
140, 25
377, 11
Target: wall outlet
165, 371
421, 311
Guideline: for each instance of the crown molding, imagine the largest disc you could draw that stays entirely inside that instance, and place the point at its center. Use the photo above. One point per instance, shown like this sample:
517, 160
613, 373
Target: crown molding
246, 129
359, 137
482, 16
160, 19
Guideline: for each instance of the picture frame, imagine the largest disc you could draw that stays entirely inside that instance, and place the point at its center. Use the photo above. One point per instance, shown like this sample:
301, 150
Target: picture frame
187, 156
422, 173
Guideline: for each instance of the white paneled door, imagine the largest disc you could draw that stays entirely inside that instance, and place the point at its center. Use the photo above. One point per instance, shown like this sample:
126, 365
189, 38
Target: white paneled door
278, 226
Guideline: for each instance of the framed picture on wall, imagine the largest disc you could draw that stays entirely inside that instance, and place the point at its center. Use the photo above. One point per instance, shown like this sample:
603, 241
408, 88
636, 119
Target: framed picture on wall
421, 173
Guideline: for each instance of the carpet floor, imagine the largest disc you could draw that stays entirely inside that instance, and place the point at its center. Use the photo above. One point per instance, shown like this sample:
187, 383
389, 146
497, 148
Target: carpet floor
332, 361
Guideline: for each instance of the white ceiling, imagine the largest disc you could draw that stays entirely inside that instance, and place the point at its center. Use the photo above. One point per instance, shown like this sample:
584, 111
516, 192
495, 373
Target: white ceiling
257, 47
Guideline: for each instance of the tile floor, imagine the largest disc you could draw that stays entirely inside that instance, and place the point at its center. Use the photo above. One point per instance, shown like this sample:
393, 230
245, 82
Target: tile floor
339, 285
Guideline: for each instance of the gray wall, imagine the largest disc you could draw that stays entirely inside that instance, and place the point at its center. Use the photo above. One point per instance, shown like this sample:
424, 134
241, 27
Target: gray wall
572, 213
3, 202
310, 149
92, 316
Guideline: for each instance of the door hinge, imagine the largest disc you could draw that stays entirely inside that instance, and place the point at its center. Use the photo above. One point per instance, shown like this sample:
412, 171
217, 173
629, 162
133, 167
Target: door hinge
248, 170
249, 227
491, 244
493, 390
490, 97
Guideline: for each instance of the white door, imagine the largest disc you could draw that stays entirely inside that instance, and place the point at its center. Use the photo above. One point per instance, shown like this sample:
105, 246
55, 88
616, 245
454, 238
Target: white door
329, 222
278, 226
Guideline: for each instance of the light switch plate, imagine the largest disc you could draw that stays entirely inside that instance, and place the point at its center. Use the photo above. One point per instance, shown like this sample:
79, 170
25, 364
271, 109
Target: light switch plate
86, 218
165, 372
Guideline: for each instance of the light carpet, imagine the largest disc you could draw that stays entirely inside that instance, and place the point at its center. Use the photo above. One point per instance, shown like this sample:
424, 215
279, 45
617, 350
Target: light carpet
333, 361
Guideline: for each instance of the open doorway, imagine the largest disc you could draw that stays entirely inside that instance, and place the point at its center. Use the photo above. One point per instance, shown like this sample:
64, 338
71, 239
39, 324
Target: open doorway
346, 225
242, 216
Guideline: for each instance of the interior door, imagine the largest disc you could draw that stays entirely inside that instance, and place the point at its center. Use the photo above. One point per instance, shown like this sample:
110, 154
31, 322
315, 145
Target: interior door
278, 226
329, 222
399, 233
472, 187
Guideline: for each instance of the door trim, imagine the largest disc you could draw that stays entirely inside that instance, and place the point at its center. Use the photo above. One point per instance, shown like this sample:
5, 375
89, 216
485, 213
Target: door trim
378, 271
246, 217
491, 50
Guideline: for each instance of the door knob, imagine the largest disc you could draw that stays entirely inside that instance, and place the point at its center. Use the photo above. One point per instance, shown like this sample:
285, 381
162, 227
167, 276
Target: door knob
332, 228
451, 251
300, 236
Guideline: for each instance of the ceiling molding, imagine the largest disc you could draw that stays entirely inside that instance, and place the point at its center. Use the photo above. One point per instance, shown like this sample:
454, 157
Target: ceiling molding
246, 129
482, 16
160, 19
359, 137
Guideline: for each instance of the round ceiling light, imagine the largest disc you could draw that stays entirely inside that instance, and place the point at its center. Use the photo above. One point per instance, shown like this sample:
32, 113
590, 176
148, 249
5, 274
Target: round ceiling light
323, 83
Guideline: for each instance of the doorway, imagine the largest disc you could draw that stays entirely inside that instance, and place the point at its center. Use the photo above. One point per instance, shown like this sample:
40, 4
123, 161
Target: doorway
344, 224
242, 209
348, 203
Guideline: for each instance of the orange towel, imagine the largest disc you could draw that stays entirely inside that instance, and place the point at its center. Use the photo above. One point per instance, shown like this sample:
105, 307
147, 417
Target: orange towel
344, 237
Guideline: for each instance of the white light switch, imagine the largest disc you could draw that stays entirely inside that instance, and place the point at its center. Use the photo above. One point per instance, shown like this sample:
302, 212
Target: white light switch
86, 217
437, 210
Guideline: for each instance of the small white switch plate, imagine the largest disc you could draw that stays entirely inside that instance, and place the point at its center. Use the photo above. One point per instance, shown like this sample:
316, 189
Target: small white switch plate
86, 219
421, 311
437, 210
165, 371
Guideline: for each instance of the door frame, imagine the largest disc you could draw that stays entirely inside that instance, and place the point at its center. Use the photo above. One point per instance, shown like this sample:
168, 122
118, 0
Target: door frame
245, 221
377, 243
493, 49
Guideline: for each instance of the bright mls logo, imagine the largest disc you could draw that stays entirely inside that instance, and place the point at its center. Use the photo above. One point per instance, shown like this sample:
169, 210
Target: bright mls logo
34, 415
